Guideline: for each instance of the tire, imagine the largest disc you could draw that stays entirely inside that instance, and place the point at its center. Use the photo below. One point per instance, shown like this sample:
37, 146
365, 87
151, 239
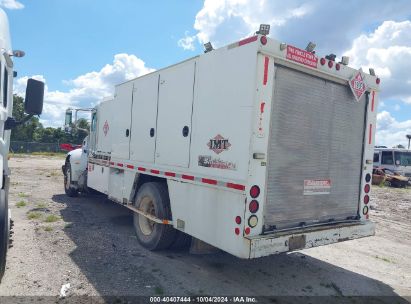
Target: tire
153, 198
181, 241
4, 231
70, 191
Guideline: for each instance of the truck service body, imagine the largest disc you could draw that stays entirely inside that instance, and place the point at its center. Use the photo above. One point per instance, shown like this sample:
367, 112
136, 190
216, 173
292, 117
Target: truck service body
263, 147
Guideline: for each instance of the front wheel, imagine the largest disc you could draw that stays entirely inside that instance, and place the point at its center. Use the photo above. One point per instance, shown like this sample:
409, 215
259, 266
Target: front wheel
152, 198
68, 188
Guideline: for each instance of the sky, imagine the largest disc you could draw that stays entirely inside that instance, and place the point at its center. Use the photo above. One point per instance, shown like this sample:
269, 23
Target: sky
82, 48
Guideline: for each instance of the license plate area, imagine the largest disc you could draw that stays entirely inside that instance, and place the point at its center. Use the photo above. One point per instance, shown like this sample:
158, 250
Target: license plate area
296, 242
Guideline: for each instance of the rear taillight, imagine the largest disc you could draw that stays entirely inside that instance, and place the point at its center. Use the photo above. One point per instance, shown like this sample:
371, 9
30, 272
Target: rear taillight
263, 40
366, 199
237, 231
330, 64
238, 220
337, 66
322, 61
377, 81
254, 191
247, 230
367, 188
252, 221
253, 207
368, 177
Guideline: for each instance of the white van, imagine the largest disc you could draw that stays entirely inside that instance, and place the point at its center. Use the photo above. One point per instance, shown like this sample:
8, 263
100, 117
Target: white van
397, 160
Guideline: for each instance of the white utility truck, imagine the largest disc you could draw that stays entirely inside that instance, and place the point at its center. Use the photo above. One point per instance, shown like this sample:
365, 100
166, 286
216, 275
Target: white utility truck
256, 148
33, 106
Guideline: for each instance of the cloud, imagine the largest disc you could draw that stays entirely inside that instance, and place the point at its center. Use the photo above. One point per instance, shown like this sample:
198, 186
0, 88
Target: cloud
391, 132
187, 43
331, 24
11, 4
87, 89
388, 51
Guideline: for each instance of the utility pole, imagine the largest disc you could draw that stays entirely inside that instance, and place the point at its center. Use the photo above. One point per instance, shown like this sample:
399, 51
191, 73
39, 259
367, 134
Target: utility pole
408, 136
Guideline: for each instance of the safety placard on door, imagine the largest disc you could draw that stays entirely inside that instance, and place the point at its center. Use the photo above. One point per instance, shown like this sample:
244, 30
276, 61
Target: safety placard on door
317, 186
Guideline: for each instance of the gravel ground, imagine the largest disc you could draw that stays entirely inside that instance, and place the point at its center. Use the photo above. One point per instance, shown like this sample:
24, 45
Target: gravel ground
89, 242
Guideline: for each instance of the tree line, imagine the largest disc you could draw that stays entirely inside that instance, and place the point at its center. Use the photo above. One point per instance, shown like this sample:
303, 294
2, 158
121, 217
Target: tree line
34, 131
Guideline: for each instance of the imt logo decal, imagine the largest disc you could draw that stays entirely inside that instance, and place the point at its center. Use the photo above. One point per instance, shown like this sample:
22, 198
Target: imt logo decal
219, 144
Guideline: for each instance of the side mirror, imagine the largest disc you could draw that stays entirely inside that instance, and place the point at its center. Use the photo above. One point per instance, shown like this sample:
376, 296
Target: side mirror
33, 104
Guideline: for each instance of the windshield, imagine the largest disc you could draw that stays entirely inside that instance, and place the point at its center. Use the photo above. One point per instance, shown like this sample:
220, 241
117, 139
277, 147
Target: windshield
403, 157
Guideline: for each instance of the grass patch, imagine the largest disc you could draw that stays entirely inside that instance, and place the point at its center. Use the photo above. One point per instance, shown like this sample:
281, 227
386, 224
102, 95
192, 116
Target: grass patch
51, 218
159, 290
48, 228
41, 205
383, 259
21, 204
22, 194
34, 215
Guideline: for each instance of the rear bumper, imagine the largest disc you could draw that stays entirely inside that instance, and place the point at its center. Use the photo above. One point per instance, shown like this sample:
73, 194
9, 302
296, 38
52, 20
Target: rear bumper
303, 239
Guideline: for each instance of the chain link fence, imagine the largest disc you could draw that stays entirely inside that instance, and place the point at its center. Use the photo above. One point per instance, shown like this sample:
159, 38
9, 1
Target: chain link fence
29, 147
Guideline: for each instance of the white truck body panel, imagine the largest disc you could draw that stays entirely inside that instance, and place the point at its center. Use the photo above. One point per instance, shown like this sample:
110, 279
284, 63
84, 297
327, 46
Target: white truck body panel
235, 102
144, 118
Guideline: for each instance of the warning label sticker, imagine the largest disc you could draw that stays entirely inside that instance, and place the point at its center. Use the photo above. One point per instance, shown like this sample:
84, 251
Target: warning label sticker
317, 186
301, 56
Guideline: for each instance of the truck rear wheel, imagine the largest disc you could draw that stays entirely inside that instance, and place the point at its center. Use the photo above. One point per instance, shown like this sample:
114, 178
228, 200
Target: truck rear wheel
70, 191
4, 231
153, 199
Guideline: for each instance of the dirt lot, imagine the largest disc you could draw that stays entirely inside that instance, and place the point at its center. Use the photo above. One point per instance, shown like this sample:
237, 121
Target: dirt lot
90, 243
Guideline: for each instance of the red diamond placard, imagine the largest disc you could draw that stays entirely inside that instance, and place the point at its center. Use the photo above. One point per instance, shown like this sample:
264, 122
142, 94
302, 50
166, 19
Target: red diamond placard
358, 85
218, 144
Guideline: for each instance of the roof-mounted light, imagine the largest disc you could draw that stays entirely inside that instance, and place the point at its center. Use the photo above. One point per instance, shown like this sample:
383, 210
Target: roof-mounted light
310, 47
264, 30
18, 53
372, 71
208, 47
331, 57
345, 60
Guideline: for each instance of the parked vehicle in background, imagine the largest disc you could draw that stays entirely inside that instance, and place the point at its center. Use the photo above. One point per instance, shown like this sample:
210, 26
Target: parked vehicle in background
397, 160
388, 178
256, 148
33, 106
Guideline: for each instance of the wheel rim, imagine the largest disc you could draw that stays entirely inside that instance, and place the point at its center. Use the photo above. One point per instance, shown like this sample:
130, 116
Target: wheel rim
67, 179
146, 225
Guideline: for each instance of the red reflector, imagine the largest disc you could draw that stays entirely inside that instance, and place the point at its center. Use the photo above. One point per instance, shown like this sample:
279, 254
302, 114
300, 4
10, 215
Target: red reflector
253, 207
238, 220
366, 199
111, 163
330, 64
209, 181
254, 191
247, 40
337, 66
155, 171
237, 231
119, 164
170, 174
367, 188
236, 186
263, 40
141, 169
190, 177
322, 61
247, 230
377, 81
130, 166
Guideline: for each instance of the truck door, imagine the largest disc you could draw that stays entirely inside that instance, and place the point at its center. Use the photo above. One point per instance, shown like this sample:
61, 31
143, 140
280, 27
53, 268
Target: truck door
175, 105
144, 117
120, 132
